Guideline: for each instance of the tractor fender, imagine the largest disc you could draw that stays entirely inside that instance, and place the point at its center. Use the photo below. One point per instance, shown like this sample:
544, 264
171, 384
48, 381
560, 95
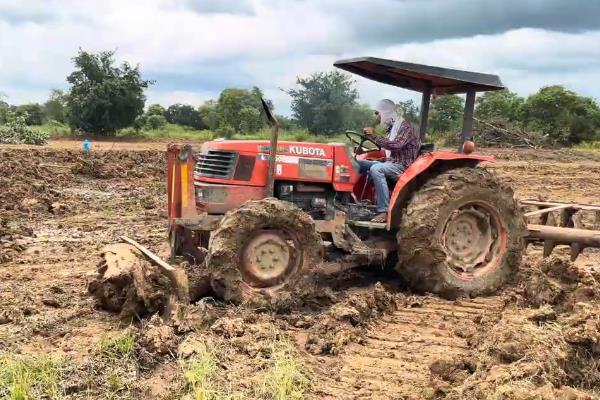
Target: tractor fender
424, 163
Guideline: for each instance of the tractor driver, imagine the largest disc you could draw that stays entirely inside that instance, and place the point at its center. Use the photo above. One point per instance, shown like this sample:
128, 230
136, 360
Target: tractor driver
401, 147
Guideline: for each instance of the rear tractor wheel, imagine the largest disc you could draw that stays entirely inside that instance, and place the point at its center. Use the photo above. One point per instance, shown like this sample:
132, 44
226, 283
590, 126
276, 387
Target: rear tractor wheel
262, 249
461, 234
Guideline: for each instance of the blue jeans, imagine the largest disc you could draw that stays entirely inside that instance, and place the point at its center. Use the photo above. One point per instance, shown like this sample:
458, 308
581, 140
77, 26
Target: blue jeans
379, 171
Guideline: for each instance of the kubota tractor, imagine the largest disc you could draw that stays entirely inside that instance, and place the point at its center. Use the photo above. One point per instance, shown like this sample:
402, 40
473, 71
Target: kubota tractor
259, 217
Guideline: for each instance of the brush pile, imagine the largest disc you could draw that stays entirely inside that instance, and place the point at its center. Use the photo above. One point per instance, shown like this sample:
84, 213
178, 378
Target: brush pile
501, 133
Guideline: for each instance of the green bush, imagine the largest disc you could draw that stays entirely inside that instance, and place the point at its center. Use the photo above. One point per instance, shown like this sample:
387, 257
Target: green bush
155, 121
17, 132
225, 131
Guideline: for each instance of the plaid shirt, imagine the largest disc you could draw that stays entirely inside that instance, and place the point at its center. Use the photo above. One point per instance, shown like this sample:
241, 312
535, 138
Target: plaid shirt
404, 147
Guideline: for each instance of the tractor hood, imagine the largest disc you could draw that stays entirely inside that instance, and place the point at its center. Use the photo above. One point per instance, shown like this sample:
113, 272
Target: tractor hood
301, 149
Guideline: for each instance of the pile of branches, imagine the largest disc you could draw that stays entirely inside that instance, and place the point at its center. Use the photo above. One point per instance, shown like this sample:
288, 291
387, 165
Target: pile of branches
501, 133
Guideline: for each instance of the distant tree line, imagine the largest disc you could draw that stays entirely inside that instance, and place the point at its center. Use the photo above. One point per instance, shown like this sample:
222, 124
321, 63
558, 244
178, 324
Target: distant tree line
104, 98
559, 114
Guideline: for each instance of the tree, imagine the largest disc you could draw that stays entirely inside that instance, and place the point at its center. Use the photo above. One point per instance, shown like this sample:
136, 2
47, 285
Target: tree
409, 110
446, 113
155, 121
562, 115
361, 115
55, 108
323, 102
156, 109
286, 123
184, 114
209, 114
104, 98
32, 113
502, 104
241, 109
250, 119
4, 111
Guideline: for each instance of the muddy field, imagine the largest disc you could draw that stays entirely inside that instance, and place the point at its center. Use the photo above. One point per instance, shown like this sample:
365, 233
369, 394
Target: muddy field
362, 337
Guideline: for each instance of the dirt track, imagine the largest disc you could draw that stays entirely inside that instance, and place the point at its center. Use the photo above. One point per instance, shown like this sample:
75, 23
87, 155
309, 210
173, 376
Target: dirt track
59, 208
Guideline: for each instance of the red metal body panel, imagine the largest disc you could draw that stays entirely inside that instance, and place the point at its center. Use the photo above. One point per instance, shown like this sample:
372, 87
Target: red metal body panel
311, 162
293, 163
231, 197
360, 191
344, 177
421, 164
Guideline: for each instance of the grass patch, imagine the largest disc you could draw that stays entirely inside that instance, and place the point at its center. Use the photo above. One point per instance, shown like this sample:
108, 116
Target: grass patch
54, 129
114, 368
169, 131
201, 374
590, 146
178, 132
57, 130
294, 136
30, 377
286, 378
118, 347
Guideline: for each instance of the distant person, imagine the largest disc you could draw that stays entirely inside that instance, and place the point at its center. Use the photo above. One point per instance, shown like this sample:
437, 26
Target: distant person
401, 147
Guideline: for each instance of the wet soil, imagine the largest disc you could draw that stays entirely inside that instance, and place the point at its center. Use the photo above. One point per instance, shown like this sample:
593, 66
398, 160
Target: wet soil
362, 337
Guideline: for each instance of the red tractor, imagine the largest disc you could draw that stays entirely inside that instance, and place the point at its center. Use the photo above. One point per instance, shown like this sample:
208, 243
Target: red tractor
261, 217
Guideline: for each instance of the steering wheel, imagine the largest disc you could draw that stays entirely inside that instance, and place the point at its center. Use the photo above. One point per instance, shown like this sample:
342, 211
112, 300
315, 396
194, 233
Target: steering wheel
359, 140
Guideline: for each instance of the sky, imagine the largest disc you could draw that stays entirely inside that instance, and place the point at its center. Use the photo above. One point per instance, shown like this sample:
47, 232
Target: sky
195, 48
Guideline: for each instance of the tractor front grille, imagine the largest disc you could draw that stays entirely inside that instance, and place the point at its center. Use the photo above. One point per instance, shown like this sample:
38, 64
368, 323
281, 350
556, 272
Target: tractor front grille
216, 164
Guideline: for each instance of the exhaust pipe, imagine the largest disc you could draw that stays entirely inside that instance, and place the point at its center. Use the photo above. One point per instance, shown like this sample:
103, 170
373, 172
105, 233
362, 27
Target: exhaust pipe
273, 147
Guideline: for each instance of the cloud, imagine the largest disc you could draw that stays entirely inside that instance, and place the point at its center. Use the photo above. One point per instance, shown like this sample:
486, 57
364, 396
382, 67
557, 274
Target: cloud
167, 98
194, 49
385, 22
243, 7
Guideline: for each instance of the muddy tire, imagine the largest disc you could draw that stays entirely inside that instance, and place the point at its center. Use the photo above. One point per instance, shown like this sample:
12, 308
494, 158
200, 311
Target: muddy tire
461, 234
263, 249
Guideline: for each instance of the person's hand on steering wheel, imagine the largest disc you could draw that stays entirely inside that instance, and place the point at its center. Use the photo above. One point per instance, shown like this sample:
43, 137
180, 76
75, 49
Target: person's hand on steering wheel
364, 137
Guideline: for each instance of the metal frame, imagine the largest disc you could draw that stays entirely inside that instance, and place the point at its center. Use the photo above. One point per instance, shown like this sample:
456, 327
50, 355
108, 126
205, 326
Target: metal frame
566, 231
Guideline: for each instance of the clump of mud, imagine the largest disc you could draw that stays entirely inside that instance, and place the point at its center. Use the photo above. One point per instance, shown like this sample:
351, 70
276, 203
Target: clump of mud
555, 281
28, 185
546, 345
517, 359
120, 164
10, 234
582, 332
128, 284
35, 178
345, 321
155, 340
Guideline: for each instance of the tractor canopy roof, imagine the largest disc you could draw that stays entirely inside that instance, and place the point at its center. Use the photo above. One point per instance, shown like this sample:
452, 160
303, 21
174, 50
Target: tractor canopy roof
420, 77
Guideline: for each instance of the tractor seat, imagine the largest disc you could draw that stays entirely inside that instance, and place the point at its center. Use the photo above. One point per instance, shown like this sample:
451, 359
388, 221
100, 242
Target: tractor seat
426, 148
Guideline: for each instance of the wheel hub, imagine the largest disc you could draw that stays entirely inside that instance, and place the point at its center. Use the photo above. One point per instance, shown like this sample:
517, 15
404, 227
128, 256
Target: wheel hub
268, 258
471, 239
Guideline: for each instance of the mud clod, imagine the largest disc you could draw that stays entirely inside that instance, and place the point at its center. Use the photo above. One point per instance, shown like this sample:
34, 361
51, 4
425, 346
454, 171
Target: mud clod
129, 284
556, 281
155, 339
452, 370
345, 321
229, 327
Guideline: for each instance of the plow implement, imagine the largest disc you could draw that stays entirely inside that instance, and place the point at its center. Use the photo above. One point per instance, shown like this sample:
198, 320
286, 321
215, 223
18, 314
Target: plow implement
555, 223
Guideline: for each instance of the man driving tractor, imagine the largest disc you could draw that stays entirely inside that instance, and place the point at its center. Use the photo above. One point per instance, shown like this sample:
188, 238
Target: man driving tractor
401, 147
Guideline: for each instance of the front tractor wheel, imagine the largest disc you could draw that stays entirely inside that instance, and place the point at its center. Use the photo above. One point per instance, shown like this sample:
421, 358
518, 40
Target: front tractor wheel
460, 234
262, 249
